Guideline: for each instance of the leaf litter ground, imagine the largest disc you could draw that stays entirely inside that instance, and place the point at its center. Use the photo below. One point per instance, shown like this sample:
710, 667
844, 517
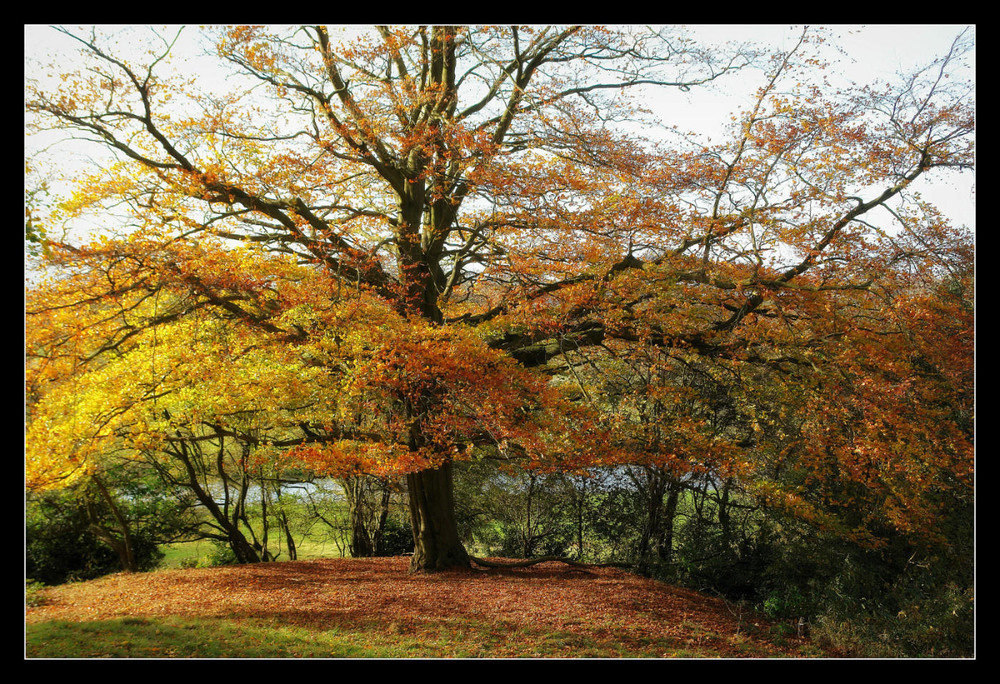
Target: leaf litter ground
546, 610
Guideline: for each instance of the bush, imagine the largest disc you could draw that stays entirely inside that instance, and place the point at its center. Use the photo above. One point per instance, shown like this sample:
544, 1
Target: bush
59, 543
899, 601
911, 618
221, 554
32, 593
397, 538
58, 547
788, 602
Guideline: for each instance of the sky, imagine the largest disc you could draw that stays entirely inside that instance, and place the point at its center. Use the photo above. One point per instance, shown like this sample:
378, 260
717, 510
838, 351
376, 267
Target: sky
872, 52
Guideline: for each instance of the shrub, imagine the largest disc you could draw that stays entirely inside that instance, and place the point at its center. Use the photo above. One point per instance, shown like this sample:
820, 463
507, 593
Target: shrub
397, 538
221, 554
33, 592
58, 547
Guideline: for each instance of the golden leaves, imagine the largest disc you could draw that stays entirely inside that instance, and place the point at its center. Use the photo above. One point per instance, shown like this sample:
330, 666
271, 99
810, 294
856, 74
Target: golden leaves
755, 254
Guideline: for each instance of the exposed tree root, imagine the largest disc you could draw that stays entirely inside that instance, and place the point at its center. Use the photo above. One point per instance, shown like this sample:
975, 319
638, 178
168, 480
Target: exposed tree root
545, 559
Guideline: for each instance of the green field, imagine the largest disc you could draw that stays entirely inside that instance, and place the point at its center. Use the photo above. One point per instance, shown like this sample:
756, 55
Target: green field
186, 554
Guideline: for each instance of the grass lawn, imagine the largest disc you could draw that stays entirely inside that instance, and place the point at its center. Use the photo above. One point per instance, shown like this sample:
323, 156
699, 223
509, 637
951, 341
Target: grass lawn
182, 553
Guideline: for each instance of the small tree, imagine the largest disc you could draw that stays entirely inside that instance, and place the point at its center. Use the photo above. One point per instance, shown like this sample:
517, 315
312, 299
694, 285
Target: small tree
114, 524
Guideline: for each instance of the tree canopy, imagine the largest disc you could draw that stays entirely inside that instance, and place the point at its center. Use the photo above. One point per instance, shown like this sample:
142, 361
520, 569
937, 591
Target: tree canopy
381, 252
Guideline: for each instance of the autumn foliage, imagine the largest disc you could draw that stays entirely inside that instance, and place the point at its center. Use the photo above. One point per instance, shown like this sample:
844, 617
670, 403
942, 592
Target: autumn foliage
386, 254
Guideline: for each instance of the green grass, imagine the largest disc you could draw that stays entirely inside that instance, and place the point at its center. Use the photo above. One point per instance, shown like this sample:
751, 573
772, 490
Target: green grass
197, 552
308, 545
179, 638
173, 637
175, 555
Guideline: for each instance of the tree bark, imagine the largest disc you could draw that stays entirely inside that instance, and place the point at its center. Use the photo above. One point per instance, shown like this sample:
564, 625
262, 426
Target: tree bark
245, 553
437, 545
362, 543
289, 539
122, 546
666, 547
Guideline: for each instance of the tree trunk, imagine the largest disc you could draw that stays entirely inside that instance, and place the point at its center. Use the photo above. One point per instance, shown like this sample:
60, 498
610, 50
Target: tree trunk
432, 515
241, 547
580, 503
651, 483
725, 520
368, 506
666, 547
289, 539
361, 544
378, 538
123, 546
528, 538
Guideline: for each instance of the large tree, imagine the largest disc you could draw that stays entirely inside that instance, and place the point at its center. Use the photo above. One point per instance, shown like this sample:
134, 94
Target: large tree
483, 192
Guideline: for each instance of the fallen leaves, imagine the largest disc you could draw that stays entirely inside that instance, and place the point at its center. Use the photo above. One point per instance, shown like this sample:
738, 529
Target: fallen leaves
564, 613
